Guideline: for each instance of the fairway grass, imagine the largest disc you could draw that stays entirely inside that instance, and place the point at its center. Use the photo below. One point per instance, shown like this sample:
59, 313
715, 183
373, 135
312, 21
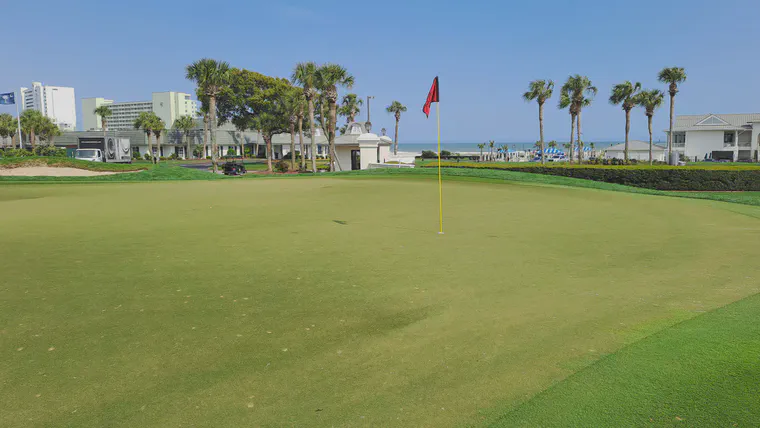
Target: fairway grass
700, 373
333, 302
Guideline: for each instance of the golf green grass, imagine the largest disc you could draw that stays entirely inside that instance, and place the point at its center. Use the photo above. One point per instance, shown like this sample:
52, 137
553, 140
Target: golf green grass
334, 302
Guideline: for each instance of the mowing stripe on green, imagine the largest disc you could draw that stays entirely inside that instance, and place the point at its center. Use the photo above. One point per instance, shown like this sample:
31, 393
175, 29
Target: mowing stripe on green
703, 372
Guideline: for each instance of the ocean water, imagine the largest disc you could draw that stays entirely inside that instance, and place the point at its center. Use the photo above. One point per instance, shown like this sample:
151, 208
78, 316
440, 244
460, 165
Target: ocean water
473, 147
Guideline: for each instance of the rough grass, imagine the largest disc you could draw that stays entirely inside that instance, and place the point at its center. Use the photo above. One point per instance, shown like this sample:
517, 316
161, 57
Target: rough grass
161, 172
67, 163
700, 373
643, 165
170, 171
228, 303
491, 175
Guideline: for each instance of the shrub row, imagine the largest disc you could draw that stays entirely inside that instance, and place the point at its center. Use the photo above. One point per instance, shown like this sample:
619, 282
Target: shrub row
672, 178
37, 151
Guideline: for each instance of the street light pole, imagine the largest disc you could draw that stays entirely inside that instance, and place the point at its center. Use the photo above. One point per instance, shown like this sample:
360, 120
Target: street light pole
368, 125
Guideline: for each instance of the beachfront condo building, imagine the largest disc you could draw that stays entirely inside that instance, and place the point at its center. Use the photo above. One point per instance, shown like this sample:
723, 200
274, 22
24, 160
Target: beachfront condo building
169, 106
55, 102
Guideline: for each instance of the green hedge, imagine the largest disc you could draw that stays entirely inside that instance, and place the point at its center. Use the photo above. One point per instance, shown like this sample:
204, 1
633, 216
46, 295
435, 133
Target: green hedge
645, 176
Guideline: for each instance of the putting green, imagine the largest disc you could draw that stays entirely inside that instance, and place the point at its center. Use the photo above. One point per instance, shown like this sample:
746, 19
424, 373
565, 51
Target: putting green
333, 302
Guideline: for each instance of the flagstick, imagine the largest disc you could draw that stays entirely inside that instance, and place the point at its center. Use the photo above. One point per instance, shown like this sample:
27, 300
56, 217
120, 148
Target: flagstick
18, 121
440, 189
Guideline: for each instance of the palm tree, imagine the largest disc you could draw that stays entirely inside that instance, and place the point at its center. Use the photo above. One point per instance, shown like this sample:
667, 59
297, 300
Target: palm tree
396, 108
212, 77
330, 76
581, 91
185, 125
650, 100
583, 102
490, 148
673, 76
552, 144
625, 94
31, 122
7, 126
349, 107
505, 150
293, 105
481, 146
301, 108
48, 130
104, 112
540, 90
203, 113
158, 127
305, 74
145, 122
565, 102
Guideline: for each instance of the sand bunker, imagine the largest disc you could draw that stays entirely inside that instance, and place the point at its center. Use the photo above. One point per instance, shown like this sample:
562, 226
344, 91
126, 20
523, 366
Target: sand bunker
46, 171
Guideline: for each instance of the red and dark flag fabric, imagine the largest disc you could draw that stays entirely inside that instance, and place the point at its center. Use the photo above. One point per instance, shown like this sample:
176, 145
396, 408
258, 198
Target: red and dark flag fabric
432, 97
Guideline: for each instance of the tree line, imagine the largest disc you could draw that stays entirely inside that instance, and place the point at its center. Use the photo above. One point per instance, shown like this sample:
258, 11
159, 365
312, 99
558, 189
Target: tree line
272, 105
579, 92
34, 126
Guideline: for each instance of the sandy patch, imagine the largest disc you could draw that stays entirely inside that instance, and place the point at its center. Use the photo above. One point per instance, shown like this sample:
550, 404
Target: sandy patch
46, 171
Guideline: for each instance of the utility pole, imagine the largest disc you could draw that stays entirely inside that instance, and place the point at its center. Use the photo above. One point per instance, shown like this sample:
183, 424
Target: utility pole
368, 125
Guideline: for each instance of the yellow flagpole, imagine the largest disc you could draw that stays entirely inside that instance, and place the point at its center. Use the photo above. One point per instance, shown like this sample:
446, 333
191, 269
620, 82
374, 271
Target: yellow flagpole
440, 188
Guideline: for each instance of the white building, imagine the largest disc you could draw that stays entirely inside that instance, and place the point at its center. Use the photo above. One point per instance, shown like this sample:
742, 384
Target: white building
55, 102
91, 121
169, 106
357, 149
638, 150
717, 136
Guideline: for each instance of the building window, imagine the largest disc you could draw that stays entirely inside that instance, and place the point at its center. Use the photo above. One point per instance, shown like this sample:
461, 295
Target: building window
728, 139
679, 139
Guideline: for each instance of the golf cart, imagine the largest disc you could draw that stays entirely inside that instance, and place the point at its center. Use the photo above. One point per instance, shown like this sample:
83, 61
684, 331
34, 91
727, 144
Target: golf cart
232, 166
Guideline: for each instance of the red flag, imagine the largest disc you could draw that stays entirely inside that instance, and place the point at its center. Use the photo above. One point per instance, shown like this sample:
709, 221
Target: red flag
432, 97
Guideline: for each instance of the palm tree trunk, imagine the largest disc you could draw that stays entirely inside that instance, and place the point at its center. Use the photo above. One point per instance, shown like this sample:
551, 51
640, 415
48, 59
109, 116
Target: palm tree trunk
268, 142
395, 140
572, 136
627, 131
31, 138
541, 131
333, 157
580, 142
300, 140
150, 147
313, 137
103, 124
649, 119
187, 145
670, 133
292, 145
158, 148
205, 136
212, 119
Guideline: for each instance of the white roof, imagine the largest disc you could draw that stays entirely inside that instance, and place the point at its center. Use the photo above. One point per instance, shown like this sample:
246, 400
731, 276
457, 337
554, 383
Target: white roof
635, 146
714, 122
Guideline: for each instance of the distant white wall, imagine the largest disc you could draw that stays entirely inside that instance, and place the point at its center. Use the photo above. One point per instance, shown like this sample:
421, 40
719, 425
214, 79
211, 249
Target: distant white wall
699, 143
343, 154
639, 155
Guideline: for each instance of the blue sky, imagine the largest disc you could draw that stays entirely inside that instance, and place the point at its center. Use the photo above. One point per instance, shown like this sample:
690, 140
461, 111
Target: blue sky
484, 52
